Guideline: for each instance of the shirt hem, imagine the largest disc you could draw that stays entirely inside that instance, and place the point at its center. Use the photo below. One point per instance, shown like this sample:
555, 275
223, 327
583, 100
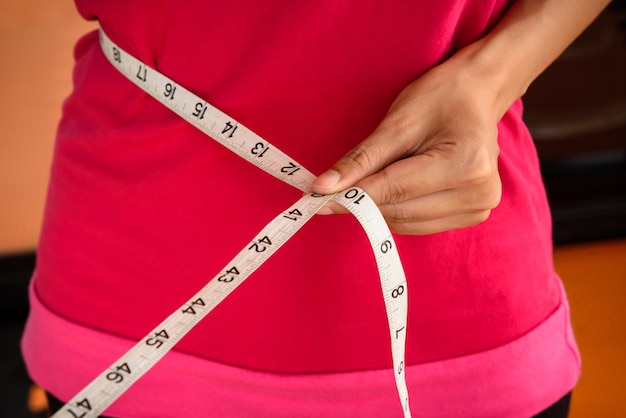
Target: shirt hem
517, 379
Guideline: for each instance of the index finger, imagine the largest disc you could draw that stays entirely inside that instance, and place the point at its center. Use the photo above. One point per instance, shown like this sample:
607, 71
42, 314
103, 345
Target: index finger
369, 157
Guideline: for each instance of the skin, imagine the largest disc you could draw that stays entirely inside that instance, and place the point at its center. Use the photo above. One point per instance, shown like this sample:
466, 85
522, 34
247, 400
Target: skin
431, 164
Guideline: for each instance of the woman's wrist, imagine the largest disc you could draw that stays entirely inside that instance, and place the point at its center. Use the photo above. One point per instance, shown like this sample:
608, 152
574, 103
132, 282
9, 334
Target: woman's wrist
478, 68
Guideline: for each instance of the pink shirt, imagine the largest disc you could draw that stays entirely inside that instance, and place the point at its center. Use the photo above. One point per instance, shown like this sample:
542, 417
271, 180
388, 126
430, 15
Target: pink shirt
143, 209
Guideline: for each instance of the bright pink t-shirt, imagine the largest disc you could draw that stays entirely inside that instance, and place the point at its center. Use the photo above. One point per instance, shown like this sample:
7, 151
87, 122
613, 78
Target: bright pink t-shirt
143, 209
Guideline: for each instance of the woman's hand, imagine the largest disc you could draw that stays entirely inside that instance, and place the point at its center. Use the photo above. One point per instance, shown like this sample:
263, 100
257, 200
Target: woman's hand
431, 165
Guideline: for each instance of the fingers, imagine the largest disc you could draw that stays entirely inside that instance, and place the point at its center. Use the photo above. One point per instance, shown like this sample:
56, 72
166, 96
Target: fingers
446, 167
435, 191
437, 212
367, 158
449, 209
441, 224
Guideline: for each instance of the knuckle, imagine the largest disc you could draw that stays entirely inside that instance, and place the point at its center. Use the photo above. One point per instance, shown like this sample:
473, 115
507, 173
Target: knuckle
397, 217
479, 166
392, 191
480, 217
485, 197
481, 197
361, 157
480, 169
398, 121
401, 228
494, 196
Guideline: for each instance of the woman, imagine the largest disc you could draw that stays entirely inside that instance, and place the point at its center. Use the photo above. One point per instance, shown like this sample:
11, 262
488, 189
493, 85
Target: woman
415, 102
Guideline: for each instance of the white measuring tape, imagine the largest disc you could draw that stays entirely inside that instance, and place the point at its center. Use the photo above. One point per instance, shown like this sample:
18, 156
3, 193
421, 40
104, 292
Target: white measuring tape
115, 380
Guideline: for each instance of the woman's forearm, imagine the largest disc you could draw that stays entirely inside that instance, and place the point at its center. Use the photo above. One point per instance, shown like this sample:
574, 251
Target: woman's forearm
531, 35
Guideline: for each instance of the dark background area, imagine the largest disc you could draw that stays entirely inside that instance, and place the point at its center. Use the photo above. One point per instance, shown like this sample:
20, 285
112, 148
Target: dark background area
577, 113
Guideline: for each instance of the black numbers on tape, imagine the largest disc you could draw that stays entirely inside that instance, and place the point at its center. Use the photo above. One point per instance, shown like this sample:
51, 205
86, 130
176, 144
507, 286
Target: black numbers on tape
158, 339
230, 127
398, 331
354, 194
142, 73
200, 110
117, 56
170, 89
401, 367
260, 245
190, 309
397, 291
118, 375
259, 149
386, 246
84, 404
293, 214
290, 169
229, 275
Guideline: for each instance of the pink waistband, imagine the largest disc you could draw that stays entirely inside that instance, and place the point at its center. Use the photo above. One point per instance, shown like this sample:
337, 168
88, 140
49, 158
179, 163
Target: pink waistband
518, 379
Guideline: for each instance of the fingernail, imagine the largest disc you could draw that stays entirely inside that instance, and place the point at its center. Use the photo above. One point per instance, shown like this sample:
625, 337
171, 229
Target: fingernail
328, 179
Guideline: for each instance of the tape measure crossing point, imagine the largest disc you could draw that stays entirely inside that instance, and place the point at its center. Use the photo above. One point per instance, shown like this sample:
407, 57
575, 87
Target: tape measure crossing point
115, 380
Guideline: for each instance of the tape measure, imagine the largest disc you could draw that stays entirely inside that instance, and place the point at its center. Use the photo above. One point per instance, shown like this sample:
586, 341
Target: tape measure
116, 379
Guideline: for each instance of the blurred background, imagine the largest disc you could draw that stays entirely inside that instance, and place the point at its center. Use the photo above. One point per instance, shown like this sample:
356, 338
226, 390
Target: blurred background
576, 111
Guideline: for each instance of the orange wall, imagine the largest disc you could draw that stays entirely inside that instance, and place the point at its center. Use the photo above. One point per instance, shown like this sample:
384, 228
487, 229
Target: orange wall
36, 44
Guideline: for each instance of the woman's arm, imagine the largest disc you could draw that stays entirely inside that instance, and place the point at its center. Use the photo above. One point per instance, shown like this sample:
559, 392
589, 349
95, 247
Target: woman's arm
527, 40
431, 165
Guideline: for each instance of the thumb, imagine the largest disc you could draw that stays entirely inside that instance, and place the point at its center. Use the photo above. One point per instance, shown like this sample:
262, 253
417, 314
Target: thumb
367, 158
